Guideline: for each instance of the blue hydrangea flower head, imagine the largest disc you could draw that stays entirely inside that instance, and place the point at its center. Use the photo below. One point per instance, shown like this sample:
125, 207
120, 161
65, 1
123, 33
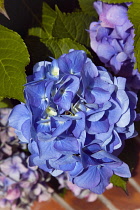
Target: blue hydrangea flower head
76, 119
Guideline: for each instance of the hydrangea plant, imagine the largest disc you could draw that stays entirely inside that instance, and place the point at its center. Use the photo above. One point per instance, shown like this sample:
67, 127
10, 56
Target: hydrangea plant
76, 119
76, 111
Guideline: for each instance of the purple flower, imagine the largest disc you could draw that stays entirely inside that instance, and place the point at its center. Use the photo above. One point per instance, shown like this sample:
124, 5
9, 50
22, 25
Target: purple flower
112, 38
76, 119
4, 114
110, 16
5, 182
13, 193
13, 167
42, 193
6, 133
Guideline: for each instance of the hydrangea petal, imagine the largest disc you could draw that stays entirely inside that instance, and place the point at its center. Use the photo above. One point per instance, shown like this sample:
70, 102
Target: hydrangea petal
89, 179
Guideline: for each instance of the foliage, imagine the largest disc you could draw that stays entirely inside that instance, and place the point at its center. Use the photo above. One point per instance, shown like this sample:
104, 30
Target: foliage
5, 103
72, 26
119, 182
13, 59
87, 7
65, 31
61, 46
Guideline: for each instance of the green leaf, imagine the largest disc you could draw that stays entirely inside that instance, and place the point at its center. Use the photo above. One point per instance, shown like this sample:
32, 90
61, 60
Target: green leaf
61, 46
134, 16
119, 182
48, 19
2, 9
62, 43
87, 7
5, 102
62, 192
13, 59
72, 26
39, 32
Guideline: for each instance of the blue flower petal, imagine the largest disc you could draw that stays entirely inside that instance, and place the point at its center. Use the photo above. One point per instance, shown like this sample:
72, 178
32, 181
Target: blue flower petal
67, 145
65, 163
47, 150
95, 117
100, 126
61, 125
20, 119
88, 179
77, 169
123, 171
66, 92
34, 160
72, 62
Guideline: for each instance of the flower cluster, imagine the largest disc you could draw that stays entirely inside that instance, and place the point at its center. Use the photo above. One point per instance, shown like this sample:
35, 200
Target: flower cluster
7, 135
112, 39
20, 185
75, 120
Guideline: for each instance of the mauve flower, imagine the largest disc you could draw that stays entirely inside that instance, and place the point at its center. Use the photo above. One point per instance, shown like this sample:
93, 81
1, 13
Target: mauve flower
42, 193
13, 192
5, 203
5, 182
13, 167
112, 38
7, 134
111, 16
4, 114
